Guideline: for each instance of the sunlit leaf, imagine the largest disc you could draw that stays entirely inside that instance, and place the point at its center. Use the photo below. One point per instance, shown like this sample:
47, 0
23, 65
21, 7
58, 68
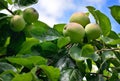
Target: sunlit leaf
52, 73
62, 41
28, 62
101, 19
59, 27
23, 77
115, 11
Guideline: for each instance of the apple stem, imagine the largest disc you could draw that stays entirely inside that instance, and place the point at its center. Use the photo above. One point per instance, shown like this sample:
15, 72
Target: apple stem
6, 8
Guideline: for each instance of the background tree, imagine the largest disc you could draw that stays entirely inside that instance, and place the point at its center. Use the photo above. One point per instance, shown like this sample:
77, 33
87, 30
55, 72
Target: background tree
38, 52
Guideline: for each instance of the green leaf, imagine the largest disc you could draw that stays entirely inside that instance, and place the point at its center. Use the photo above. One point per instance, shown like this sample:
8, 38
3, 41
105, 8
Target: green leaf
52, 73
89, 64
113, 35
16, 41
26, 2
89, 52
115, 11
65, 63
75, 53
114, 77
10, 1
104, 23
101, 19
95, 77
82, 67
6, 66
28, 62
86, 52
27, 45
43, 32
7, 75
114, 42
115, 62
70, 75
3, 4
23, 77
63, 41
59, 27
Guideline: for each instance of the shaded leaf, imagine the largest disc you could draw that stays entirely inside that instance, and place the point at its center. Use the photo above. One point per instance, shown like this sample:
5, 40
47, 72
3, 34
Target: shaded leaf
6, 66
16, 41
70, 75
27, 45
95, 77
7, 75
26, 2
65, 63
113, 35
3, 4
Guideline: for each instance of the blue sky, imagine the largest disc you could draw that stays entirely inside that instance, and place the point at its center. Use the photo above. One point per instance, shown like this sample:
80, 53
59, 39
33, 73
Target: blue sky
59, 11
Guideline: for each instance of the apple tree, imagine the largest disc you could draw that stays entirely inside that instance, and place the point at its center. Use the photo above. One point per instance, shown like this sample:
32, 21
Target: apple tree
31, 50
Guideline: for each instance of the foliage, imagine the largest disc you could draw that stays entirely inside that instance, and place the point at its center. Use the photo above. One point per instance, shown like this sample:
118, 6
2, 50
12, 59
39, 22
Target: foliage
49, 56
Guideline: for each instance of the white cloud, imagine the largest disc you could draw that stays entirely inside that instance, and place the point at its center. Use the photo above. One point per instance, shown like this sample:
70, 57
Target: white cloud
51, 10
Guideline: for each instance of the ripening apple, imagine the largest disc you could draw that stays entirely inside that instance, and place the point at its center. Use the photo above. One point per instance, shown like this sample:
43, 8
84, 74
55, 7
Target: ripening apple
93, 31
75, 31
27, 30
80, 17
30, 15
17, 23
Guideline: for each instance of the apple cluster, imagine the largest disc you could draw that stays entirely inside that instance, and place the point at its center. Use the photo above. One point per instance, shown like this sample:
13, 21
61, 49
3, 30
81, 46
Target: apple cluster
79, 26
23, 22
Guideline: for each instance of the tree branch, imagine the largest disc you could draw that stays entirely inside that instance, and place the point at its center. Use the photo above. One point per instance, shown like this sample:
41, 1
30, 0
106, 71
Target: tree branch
112, 49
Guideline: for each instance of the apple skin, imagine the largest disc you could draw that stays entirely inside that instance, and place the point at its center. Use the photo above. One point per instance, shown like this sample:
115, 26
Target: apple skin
30, 15
17, 23
80, 17
27, 30
75, 31
93, 31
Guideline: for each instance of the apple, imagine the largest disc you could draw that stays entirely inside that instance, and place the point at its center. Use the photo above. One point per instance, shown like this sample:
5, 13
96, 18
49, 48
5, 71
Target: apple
80, 17
75, 31
30, 15
27, 30
93, 31
17, 23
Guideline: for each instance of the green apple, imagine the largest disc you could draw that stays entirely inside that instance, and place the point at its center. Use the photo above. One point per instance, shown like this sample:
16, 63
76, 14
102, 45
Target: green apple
27, 30
80, 17
93, 31
30, 15
17, 23
75, 31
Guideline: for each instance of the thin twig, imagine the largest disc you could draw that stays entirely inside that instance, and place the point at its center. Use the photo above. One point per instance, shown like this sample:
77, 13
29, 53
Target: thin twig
112, 49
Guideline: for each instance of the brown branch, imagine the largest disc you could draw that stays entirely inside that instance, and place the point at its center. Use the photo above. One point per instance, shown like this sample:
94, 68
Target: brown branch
112, 49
